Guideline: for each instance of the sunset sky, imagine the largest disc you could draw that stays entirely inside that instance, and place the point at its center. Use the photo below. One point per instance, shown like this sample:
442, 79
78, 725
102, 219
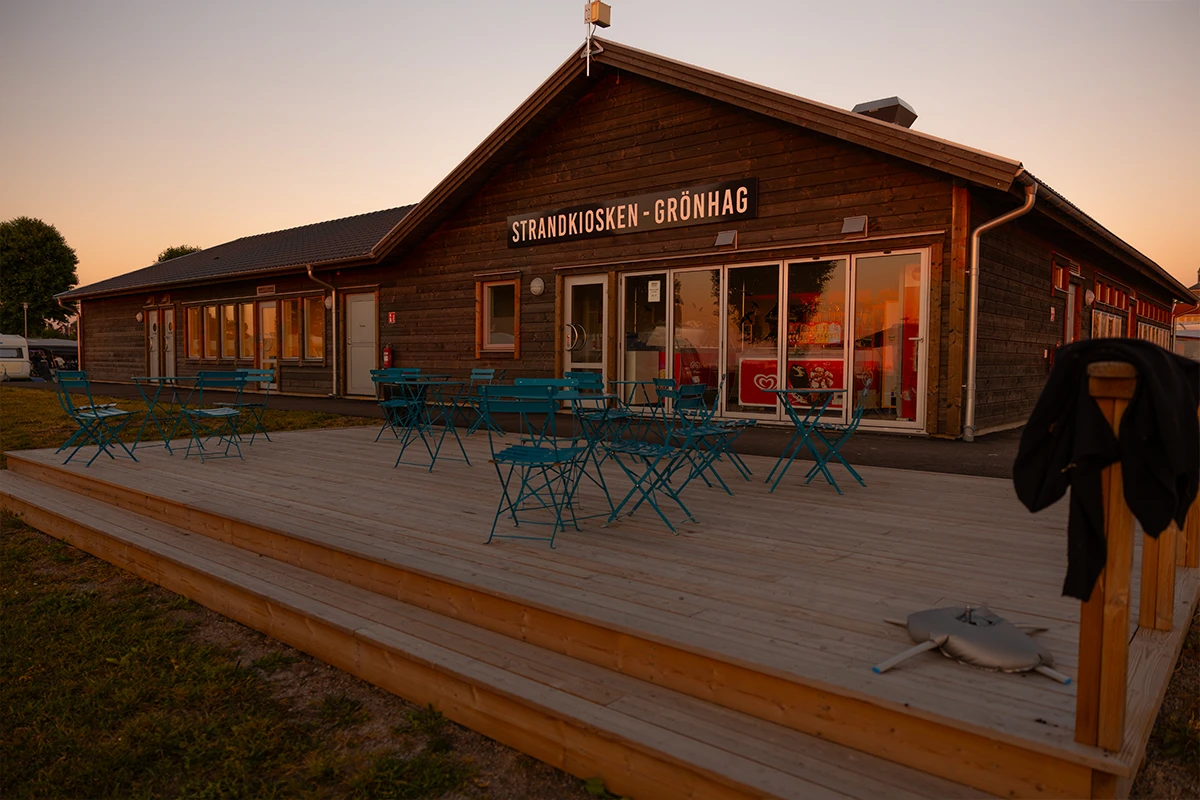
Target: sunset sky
133, 126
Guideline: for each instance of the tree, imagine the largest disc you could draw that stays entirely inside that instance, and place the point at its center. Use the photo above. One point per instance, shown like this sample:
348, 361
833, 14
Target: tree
35, 264
177, 251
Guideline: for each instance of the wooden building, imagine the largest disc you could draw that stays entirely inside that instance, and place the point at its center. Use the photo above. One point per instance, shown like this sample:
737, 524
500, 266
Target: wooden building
654, 219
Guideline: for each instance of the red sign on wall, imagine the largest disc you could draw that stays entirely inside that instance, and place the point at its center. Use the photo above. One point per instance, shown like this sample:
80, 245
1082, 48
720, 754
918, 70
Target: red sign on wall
391, 317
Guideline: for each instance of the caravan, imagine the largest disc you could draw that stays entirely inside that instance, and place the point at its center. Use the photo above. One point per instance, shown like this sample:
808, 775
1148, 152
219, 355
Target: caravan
14, 358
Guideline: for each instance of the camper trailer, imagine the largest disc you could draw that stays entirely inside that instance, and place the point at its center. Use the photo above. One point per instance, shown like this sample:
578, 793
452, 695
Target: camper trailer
14, 358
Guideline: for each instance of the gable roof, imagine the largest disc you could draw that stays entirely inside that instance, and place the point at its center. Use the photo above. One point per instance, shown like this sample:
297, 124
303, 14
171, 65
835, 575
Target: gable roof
337, 241
569, 82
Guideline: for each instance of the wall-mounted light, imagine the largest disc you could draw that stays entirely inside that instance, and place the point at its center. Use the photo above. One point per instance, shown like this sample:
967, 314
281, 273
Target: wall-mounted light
329, 302
726, 239
537, 286
854, 226
138, 316
1089, 297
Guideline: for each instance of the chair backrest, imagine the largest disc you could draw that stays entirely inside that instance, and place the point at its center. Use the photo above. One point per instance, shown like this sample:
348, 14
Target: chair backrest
557, 383
533, 405
586, 381
383, 378
265, 377
68, 380
394, 374
219, 381
479, 374
860, 407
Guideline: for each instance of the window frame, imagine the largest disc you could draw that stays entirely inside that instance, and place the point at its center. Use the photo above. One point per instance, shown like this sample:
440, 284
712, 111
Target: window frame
294, 303
306, 305
241, 338
211, 337
194, 321
228, 324
482, 318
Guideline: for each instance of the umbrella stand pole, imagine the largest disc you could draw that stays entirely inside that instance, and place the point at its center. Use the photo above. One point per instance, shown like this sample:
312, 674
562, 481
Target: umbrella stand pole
1053, 673
929, 644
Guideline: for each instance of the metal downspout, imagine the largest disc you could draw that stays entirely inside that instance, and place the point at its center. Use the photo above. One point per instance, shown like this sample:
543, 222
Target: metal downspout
333, 297
972, 352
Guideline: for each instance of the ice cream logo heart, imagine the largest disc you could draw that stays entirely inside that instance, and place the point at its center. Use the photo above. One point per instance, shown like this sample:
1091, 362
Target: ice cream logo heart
766, 382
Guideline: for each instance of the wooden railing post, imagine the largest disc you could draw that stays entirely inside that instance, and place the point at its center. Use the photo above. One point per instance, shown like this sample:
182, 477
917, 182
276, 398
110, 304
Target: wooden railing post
1156, 607
1104, 618
1189, 546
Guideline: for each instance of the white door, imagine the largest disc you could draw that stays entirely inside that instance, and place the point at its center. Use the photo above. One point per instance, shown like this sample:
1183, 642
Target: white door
168, 342
360, 342
152, 336
585, 336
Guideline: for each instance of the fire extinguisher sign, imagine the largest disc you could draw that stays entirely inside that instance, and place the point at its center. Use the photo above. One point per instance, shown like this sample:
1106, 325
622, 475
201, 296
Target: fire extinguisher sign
391, 317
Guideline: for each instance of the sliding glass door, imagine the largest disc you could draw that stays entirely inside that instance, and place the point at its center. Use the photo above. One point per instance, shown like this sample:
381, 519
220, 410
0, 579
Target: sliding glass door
845, 321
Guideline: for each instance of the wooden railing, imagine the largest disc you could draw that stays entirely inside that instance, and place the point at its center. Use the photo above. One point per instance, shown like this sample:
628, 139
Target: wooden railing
1104, 621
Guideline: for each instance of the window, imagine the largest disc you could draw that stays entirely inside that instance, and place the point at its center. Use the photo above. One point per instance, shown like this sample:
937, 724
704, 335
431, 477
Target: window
1154, 333
12, 352
228, 332
211, 335
1106, 325
246, 311
195, 332
314, 327
497, 317
291, 328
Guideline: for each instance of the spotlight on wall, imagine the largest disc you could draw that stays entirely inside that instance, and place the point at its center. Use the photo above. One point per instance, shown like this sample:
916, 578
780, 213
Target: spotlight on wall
1089, 297
854, 226
138, 316
726, 238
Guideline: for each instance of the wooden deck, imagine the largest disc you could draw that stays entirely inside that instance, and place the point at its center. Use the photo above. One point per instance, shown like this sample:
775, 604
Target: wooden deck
771, 605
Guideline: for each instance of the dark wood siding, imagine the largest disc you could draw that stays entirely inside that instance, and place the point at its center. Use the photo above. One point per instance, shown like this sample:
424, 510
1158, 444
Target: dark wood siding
627, 137
115, 343
1016, 296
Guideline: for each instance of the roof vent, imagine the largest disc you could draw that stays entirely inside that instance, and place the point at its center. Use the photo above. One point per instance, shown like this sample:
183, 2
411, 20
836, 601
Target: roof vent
889, 109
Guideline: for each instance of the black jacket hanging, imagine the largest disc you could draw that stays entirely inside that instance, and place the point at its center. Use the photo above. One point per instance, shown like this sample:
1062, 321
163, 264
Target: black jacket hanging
1067, 442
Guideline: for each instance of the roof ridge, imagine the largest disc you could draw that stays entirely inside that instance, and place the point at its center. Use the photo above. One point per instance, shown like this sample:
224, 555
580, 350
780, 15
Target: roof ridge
408, 206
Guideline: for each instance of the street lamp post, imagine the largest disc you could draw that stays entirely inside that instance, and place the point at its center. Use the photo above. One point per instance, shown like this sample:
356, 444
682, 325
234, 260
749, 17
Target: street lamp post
26, 307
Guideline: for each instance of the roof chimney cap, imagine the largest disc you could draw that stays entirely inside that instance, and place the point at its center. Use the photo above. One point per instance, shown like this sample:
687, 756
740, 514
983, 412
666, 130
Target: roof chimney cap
889, 109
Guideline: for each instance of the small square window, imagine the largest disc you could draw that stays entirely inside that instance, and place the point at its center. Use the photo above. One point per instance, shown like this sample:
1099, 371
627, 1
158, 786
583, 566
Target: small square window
498, 317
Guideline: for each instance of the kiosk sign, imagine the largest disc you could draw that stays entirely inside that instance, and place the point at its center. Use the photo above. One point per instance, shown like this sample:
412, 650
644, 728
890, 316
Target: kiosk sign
676, 208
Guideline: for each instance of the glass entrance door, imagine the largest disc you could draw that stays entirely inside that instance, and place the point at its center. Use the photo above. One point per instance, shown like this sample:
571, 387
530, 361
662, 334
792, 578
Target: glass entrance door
585, 337
695, 354
888, 338
644, 331
752, 340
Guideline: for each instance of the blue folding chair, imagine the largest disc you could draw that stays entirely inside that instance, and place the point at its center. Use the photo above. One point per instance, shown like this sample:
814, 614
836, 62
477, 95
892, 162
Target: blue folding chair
647, 464
99, 423
701, 442
255, 408
537, 475
471, 405
832, 436
395, 403
217, 421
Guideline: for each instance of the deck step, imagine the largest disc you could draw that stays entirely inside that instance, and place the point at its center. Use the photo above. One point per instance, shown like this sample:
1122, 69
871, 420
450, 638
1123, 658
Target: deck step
389, 557
644, 740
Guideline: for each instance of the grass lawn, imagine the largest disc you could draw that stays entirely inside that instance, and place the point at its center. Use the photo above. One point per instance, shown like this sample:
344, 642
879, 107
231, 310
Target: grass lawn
113, 687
